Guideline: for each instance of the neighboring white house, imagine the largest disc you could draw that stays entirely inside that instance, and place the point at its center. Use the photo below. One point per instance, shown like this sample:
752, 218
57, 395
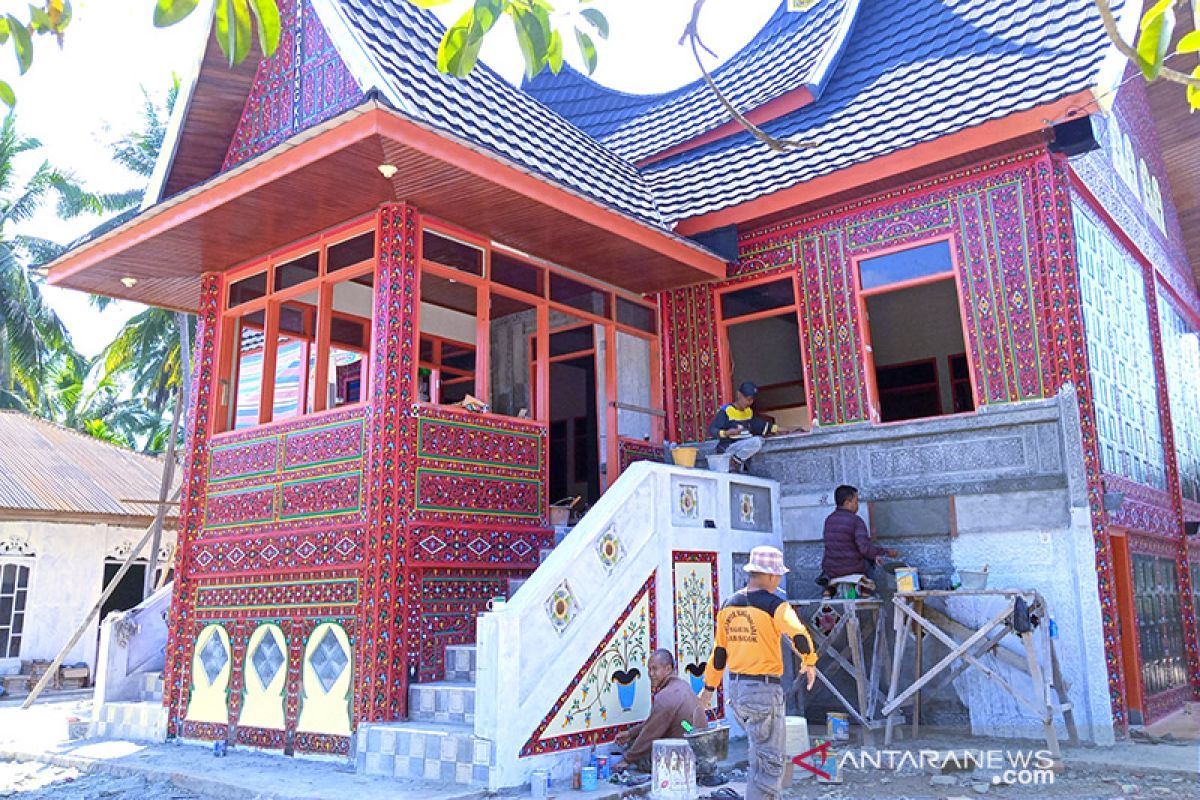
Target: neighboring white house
69, 515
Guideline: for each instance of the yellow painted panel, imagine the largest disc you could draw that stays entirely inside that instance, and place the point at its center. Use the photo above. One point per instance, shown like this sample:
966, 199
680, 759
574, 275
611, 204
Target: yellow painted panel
262, 706
209, 700
324, 711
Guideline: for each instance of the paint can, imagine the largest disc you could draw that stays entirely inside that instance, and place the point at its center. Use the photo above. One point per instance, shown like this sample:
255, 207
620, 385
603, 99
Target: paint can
603, 771
907, 580
589, 780
539, 784
837, 726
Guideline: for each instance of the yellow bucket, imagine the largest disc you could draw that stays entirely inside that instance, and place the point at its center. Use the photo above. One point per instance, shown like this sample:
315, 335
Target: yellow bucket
684, 456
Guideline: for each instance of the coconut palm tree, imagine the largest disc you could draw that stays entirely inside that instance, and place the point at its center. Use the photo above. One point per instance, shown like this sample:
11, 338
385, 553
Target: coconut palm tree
33, 340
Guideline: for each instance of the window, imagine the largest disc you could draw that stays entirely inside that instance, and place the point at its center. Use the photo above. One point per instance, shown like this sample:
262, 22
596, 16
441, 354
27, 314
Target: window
14, 594
914, 330
298, 331
751, 317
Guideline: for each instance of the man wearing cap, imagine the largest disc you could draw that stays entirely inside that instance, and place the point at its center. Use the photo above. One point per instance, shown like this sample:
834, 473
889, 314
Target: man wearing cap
740, 432
749, 627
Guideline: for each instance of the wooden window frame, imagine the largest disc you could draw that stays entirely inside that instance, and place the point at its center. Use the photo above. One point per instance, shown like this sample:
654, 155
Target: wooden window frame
725, 393
862, 295
486, 288
320, 337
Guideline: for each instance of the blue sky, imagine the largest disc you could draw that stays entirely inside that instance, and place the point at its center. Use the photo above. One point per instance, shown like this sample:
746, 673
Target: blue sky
77, 101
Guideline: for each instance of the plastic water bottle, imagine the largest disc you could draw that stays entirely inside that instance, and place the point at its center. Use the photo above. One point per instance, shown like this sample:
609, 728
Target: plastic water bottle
955, 581
1053, 629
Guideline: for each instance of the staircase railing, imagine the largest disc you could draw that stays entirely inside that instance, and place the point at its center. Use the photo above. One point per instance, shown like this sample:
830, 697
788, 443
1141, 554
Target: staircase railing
533, 652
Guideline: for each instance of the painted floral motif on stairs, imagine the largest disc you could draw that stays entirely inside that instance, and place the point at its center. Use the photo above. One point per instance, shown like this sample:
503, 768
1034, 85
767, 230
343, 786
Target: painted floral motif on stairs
611, 691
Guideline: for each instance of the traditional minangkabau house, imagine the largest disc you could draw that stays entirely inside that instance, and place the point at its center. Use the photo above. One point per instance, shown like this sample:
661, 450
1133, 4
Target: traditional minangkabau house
974, 292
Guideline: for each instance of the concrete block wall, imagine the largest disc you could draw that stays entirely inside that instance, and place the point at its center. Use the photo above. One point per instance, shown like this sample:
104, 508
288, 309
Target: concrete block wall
1004, 487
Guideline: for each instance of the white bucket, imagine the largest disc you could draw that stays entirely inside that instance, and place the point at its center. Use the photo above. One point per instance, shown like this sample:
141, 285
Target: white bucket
718, 462
973, 579
796, 742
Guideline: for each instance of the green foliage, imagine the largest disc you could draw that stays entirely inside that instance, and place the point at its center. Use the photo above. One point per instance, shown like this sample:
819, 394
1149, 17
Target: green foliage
1154, 40
234, 21
50, 18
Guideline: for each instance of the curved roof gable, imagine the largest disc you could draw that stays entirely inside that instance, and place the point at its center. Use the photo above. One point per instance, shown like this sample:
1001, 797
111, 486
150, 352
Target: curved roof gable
792, 52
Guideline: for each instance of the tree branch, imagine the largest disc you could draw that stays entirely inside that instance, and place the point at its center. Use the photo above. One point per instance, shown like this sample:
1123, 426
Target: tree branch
691, 34
1127, 50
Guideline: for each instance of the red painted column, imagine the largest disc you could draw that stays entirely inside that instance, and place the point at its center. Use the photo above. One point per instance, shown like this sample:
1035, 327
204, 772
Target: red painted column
201, 405
382, 690
1174, 487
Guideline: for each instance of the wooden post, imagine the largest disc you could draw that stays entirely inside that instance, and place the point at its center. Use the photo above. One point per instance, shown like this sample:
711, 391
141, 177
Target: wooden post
168, 477
854, 637
899, 626
919, 635
107, 593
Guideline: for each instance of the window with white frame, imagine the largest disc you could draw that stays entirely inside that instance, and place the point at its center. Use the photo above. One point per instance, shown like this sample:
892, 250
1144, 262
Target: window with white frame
1154, 203
14, 596
1181, 354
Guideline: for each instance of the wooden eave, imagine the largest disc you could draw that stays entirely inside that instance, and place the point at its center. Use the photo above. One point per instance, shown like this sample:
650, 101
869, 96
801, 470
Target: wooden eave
1179, 139
329, 174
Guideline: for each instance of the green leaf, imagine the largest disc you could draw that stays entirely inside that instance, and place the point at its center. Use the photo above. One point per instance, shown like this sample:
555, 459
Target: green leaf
6, 94
168, 12
457, 52
485, 15
266, 15
3, 30
588, 49
233, 29
554, 53
1155, 39
598, 20
1155, 11
22, 42
1189, 43
1193, 94
533, 35
39, 20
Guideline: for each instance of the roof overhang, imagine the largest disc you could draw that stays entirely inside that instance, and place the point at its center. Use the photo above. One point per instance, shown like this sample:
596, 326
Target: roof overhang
1178, 135
870, 175
329, 174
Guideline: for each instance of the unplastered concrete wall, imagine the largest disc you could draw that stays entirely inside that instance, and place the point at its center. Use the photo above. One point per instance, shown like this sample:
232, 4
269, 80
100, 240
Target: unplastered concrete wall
66, 578
1004, 487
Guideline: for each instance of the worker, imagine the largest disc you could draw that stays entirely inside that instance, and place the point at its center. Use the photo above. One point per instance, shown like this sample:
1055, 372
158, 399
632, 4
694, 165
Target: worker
739, 432
674, 704
848, 546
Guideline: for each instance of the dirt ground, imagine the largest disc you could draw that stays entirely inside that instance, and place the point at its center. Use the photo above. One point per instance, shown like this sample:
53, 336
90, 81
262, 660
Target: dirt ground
32, 781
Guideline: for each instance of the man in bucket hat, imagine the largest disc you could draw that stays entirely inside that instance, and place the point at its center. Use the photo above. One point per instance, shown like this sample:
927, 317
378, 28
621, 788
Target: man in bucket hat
749, 627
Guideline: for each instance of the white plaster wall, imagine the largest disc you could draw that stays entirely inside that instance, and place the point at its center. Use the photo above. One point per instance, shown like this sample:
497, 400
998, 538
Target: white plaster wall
1058, 561
65, 581
524, 664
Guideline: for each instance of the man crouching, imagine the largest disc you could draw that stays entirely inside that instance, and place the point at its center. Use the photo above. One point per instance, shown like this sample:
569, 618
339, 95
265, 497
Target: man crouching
674, 703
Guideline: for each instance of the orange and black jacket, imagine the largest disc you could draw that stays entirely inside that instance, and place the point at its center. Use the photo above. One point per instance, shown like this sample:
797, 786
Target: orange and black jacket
749, 626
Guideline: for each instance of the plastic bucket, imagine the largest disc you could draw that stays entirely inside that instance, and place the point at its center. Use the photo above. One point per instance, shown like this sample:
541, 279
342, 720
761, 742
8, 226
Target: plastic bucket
973, 579
684, 456
719, 462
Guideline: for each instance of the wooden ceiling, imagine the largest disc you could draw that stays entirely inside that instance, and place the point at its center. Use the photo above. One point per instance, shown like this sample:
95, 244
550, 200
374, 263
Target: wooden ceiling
213, 113
331, 175
1179, 137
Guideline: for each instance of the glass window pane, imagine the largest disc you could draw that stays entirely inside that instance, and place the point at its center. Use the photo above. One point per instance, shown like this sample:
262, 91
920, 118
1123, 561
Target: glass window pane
517, 274
513, 325
350, 342
636, 315
579, 295
22, 577
4, 649
447, 294
572, 340
296, 272
8, 578
247, 289
6, 609
291, 376
248, 364
759, 297
906, 265
350, 252
452, 253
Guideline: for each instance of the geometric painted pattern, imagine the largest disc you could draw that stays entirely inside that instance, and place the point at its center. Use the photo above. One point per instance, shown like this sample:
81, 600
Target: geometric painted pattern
213, 657
329, 660
268, 658
1120, 355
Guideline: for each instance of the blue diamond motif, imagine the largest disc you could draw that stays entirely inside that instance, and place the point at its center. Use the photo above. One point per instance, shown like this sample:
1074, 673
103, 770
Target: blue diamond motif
213, 657
328, 660
267, 659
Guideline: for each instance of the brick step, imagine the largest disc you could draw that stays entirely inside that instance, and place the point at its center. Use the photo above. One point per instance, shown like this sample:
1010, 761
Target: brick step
442, 701
448, 753
152, 687
460, 663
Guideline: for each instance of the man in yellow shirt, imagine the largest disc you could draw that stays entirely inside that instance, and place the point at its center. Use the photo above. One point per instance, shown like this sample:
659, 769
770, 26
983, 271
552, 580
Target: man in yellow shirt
750, 625
738, 432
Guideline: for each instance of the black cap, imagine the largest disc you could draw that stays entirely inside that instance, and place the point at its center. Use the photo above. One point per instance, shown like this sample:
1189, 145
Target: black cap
748, 389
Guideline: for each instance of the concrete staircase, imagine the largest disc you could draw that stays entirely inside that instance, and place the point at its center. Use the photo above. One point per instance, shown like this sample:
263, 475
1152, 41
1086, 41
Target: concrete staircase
137, 720
438, 742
